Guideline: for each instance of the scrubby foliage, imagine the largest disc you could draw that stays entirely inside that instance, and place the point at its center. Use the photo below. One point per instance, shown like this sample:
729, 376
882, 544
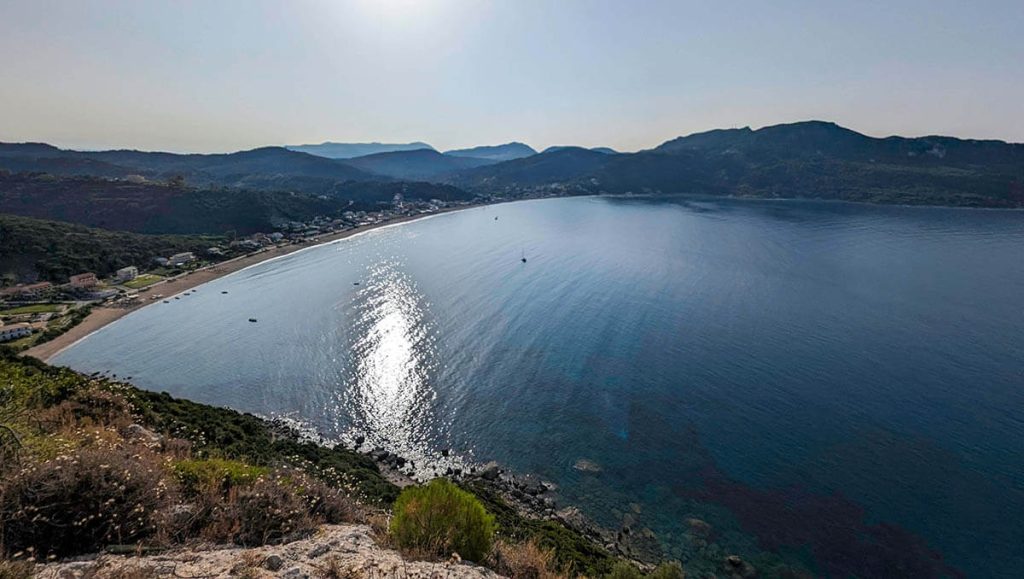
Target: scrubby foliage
224, 432
198, 475
574, 553
667, 570
80, 502
83, 474
88, 464
624, 570
523, 560
439, 519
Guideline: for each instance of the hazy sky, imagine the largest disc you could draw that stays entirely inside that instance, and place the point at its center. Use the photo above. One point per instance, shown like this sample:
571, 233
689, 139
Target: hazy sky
216, 75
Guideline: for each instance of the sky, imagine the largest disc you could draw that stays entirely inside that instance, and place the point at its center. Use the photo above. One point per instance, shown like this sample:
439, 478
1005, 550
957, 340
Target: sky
225, 75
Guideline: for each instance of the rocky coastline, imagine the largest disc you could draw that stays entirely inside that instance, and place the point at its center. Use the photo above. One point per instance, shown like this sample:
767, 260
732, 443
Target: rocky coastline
530, 496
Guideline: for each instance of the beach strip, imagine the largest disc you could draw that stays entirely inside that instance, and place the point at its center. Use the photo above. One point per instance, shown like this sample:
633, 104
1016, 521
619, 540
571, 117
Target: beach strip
102, 315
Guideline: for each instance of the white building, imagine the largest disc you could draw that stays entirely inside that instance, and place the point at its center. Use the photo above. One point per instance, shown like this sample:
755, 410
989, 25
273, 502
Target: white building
181, 258
14, 331
128, 273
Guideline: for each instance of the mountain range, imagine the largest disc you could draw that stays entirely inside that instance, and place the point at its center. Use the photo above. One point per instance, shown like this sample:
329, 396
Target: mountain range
351, 150
812, 159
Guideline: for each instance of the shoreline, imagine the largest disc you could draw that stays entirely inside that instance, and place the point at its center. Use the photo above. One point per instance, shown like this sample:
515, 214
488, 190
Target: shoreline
104, 315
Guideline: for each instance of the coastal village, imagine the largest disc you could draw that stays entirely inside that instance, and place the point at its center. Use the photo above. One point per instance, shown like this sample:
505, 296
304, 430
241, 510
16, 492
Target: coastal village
34, 313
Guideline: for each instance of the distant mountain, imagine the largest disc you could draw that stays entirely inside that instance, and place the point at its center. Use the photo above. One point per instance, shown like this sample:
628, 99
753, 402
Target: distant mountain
567, 164
605, 150
812, 159
506, 152
422, 164
267, 168
823, 139
352, 150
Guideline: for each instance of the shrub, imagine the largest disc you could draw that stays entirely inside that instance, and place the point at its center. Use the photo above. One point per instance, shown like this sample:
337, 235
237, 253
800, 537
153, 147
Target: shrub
440, 518
667, 570
197, 475
263, 512
523, 561
78, 504
624, 570
327, 504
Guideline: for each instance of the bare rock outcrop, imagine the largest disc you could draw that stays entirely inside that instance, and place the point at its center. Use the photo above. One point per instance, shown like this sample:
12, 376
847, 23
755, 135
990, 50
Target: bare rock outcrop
335, 551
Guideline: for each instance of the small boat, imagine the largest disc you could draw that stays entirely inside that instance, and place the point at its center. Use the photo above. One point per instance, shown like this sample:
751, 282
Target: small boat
524, 256
495, 217
253, 320
355, 283
177, 298
223, 292
167, 301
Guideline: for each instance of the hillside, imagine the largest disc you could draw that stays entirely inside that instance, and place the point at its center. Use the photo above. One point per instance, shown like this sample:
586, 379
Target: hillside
570, 164
154, 208
89, 464
496, 153
34, 249
370, 193
423, 164
811, 160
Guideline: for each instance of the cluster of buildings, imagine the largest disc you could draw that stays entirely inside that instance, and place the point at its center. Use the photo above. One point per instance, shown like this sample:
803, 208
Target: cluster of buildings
87, 286
10, 332
27, 292
176, 260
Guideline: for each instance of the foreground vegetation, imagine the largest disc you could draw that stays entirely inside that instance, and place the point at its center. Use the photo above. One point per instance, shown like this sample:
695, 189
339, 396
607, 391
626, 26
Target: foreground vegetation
88, 464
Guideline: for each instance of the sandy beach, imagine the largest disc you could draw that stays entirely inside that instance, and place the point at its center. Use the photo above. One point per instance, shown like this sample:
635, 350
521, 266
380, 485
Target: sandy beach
103, 315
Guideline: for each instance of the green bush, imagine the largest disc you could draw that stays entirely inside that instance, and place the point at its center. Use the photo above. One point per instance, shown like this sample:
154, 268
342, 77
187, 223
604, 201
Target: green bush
624, 570
440, 519
197, 475
668, 570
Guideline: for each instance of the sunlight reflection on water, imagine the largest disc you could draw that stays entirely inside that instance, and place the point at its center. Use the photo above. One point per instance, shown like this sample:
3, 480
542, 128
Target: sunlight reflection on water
394, 358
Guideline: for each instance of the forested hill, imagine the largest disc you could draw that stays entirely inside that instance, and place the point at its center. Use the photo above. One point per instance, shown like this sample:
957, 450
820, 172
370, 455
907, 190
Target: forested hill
148, 207
811, 159
35, 249
155, 207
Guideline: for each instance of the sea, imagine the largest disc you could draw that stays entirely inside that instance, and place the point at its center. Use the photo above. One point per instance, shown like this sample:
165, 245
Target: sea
831, 387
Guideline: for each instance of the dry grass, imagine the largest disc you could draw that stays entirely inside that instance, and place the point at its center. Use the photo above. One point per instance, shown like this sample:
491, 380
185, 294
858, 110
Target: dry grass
250, 566
523, 561
85, 482
16, 569
333, 568
108, 567
79, 503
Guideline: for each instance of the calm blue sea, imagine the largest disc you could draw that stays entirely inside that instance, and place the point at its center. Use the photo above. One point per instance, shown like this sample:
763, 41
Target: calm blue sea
833, 384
